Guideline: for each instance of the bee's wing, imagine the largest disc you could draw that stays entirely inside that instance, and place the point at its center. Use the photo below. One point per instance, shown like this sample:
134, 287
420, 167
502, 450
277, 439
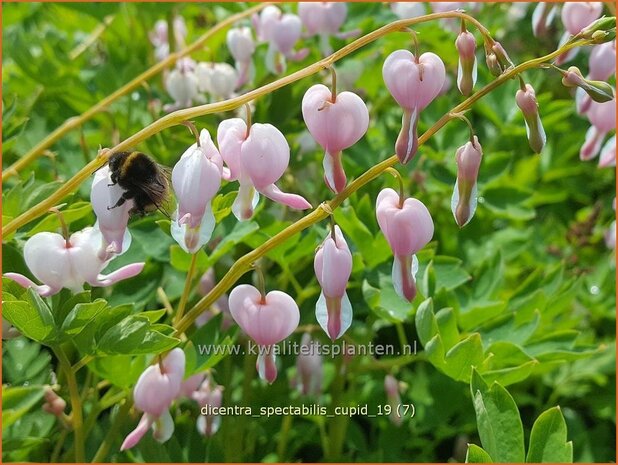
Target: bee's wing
159, 190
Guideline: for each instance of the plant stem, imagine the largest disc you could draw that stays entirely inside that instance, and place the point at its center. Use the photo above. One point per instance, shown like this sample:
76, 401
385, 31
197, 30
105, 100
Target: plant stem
179, 116
112, 432
286, 424
76, 404
339, 424
84, 361
76, 121
187, 290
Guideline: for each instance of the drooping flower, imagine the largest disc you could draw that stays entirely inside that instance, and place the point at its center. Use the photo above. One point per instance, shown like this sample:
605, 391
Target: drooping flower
112, 222
160, 39
218, 79
257, 158
309, 369
242, 47
153, 394
336, 122
267, 319
466, 71
208, 396
408, 227
408, 10
542, 17
68, 263
608, 153
413, 82
333, 266
196, 178
391, 387
527, 103
324, 19
182, 85
575, 17
464, 200
207, 284
603, 119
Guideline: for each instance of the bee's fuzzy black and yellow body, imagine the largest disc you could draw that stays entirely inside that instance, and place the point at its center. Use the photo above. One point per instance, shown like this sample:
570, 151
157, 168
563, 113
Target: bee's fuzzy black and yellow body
143, 179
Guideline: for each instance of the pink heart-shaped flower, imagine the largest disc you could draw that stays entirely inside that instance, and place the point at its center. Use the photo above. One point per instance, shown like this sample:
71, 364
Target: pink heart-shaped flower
267, 320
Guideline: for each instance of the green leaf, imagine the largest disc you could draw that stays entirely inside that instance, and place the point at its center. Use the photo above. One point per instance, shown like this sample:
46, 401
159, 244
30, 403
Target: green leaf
81, 316
181, 260
548, 439
426, 324
241, 230
476, 454
222, 205
17, 401
77, 211
33, 318
134, 336
463, 356
508, 202
498, 421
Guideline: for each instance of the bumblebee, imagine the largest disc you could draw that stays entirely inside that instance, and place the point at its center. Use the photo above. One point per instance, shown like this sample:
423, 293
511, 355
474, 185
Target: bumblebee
143, 180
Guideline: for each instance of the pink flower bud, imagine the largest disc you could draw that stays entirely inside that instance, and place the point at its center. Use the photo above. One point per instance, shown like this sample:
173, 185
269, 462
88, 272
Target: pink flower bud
408, 10
608, 153
257, 160
59, 263
9, 331
542, 17
602, 62
196, 178
240, 42
54, 404
526, 101
466, 71
391, 387
408, 227
112, 222
207, 284
266, 319
577, 15
333, 266
335, 124
309, 369
414, 83
190, 385
464, 200
599, 91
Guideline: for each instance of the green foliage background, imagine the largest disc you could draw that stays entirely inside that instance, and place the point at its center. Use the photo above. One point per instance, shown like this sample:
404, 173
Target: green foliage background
525, 292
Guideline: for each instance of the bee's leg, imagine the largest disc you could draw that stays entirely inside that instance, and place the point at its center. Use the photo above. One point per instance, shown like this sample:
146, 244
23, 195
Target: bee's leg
126, 195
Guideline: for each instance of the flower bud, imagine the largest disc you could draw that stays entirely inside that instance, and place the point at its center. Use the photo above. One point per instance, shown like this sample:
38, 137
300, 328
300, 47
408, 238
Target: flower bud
309, 370
60, 263
414, 83
464, 199
391, 387
267, 319
408, 227
466, 71
196, 178
497, 59
257, 159
598, 91
336, 124
54, 404
526, 101
333, 266
602, 29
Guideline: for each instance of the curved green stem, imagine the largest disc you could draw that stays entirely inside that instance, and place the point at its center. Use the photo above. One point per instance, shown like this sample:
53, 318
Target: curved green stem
187, 290
77, 418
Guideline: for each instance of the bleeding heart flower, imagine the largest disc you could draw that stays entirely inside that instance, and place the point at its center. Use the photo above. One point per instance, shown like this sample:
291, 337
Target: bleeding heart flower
196, 178
414, 83
542, 17
575, 17
602, 62
267, 319
182, 85
209, 396
112, 222
467, 69
207, 284
58, 262
218, 79
159, 36
464, 200
324, 19
608, 153
336, 122
257, 159
408, 227
408, 10
333, 266
391, 387
242, 47
309, 369
527, 103
603, 119
154, 392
